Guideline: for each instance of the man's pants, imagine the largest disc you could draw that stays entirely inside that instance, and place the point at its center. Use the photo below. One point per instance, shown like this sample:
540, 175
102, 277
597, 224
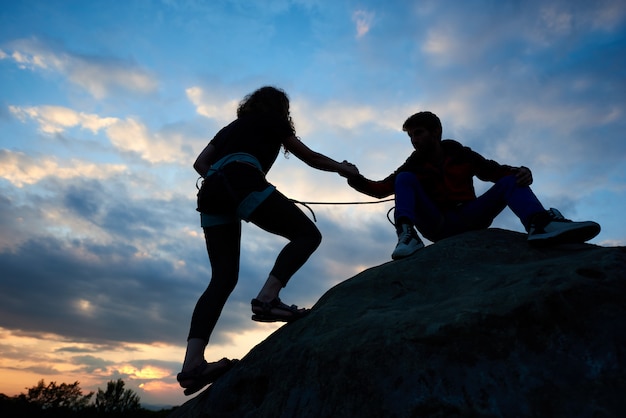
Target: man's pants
435, 224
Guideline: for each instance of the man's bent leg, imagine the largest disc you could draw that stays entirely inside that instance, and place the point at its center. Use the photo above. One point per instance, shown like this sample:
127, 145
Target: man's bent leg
480, 213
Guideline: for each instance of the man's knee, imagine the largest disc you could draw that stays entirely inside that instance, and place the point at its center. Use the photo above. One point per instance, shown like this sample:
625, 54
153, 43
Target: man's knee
509, 182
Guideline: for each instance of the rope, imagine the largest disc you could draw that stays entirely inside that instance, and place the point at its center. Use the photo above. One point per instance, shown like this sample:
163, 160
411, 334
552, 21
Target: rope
306, 205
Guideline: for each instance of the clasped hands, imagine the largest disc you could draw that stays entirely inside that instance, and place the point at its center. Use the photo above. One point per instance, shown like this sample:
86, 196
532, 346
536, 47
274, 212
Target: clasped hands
348, 170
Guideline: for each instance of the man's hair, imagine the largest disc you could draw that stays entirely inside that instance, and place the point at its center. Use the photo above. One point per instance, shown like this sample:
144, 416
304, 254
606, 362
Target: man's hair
268, 100
426, 119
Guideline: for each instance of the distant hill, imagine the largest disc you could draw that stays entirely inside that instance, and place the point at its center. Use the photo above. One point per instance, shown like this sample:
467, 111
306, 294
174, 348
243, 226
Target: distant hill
478, 325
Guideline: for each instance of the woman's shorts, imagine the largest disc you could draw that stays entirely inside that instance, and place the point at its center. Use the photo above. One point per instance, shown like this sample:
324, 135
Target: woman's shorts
232, 193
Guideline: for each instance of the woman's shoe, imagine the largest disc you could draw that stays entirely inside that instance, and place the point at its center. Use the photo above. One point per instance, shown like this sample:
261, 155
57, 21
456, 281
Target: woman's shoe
204, 374
266, 311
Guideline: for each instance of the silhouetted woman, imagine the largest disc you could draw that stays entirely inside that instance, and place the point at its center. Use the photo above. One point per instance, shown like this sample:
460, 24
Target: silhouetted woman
234, 165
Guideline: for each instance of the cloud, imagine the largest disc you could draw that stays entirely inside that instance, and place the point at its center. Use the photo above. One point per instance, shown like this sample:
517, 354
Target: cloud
210, 106
128, 135
556, 20
70, 275
99, 76
363, 20
469, 36
133, 136
344, 116
55, 119
51, 355
21, 169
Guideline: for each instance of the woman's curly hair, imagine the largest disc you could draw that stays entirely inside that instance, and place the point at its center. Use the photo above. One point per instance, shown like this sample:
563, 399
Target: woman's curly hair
267, 100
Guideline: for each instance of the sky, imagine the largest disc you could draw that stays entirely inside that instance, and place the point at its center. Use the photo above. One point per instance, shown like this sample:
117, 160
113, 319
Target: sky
104, 106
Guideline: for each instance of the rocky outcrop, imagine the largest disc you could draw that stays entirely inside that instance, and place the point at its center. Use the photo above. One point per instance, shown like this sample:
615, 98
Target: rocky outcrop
478, 325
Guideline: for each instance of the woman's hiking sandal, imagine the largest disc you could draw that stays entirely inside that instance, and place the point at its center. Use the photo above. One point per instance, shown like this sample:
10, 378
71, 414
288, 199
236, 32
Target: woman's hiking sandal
194, 380
263, 311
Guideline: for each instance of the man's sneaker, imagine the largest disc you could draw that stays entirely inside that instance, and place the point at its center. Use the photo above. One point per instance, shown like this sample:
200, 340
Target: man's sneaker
408, 242
550, 227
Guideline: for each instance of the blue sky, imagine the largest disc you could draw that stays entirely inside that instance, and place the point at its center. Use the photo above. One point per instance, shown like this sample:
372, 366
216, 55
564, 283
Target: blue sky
105, 105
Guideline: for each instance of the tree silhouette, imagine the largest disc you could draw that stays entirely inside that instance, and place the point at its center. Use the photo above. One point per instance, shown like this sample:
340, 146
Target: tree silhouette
116, 399
51, 396
67, 401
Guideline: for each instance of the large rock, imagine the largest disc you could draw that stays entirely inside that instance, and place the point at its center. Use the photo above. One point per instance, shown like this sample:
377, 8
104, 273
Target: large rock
478, 325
